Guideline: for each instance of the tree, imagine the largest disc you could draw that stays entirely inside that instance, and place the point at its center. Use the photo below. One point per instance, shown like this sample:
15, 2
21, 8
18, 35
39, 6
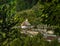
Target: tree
25, 4
52, 12
7, 19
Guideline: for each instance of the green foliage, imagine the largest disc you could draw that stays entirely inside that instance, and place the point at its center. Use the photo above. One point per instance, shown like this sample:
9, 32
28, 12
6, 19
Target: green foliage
52, 9
7, 21
33, 41
16, 42
36, 11
25, 4
47, 13
57, 31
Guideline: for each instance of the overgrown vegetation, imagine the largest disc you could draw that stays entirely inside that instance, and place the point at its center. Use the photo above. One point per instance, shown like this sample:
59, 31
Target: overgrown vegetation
13, 12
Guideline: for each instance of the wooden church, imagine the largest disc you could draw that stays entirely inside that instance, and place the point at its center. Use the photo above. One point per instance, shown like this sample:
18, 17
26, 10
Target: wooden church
26, 25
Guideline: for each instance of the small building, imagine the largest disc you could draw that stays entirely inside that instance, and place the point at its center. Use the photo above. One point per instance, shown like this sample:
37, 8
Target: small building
50, 32
26, 25
49, 38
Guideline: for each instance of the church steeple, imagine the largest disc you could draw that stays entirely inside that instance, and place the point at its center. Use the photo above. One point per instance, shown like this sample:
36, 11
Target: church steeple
26, 19
25, 24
